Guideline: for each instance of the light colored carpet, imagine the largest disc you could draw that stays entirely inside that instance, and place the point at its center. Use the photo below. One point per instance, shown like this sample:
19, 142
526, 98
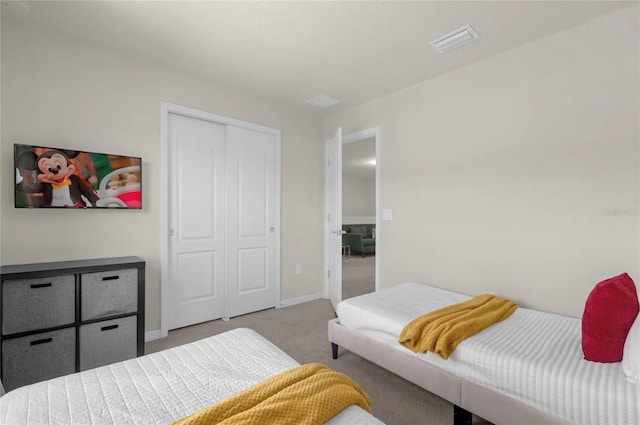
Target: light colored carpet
358, 275
301, 331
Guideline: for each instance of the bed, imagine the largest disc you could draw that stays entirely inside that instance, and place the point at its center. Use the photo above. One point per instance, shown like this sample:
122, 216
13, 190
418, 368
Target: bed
528, 369
158, 388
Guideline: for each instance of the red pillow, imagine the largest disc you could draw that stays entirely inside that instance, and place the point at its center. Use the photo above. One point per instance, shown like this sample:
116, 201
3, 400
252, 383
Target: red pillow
611, 308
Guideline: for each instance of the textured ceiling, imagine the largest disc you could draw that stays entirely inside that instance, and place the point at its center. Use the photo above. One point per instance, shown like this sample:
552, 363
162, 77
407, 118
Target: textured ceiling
291, 51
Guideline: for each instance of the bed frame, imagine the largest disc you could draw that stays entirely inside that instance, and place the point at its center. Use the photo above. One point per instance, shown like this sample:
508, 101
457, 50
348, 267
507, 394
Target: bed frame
466, 396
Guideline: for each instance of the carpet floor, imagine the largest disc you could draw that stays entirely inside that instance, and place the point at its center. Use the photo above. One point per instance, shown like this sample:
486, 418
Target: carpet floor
358, 275
301, 332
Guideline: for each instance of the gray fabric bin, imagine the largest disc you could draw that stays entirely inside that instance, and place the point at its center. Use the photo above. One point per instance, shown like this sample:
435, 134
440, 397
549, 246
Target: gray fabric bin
38, 357
108, 293
38, 303
107, 342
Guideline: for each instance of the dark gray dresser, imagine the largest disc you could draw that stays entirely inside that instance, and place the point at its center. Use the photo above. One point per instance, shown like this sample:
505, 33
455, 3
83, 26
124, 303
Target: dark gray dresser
69, 316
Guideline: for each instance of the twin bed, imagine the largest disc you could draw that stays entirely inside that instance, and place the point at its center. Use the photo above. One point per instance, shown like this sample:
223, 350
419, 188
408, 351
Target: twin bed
528, 369
158, 388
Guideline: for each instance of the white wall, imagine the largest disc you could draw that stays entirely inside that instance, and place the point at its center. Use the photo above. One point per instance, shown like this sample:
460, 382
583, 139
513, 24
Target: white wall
357, 199
358, 219
370, 196
57, 91
518, 174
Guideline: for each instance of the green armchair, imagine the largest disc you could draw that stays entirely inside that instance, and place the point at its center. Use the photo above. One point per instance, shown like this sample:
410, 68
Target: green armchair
360, 238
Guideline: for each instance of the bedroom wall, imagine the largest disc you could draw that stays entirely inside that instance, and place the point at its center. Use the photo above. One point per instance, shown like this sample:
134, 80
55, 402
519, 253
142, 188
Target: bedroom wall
519, 174
357, 199
62, 92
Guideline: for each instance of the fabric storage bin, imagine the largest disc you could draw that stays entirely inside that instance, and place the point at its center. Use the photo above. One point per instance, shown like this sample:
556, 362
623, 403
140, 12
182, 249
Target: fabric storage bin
38, 303
108, 293
38, 357
106, 342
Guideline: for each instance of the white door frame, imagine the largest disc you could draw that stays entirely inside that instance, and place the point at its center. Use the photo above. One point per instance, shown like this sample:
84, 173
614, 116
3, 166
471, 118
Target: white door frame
333, 212
165, 109
356, 137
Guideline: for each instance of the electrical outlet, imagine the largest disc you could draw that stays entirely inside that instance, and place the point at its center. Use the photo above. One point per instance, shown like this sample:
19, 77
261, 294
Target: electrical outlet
298, 269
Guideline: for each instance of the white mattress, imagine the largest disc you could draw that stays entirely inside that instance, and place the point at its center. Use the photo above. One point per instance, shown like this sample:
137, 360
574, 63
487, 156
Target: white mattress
532, 356
158, 388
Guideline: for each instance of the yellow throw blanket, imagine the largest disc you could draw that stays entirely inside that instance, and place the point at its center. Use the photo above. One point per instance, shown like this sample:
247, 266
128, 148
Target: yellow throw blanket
442, 330
309, 394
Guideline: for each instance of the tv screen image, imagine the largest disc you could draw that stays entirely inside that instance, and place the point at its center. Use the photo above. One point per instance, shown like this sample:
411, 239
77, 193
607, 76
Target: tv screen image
47, 177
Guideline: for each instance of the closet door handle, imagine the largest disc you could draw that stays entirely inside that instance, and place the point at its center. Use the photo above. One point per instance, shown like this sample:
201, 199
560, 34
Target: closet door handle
41, 285
41, 341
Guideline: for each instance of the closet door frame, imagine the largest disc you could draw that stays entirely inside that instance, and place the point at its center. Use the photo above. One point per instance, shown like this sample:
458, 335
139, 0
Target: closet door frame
167, 108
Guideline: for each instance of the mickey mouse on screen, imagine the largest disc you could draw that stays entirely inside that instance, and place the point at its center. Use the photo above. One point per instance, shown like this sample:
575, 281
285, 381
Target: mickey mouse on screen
56, 179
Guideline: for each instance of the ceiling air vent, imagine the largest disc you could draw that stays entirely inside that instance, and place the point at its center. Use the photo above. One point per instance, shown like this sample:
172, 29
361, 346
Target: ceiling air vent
458, 38
322, 101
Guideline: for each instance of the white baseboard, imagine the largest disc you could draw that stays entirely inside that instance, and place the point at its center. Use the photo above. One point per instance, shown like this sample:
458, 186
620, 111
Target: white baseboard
300, 300
157, 334
151, 335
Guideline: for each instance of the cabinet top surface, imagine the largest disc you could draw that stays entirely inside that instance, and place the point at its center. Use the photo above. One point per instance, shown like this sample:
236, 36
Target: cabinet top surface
77, 264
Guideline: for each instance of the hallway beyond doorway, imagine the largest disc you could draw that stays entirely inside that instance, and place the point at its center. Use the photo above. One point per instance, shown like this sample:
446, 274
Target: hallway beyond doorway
358, 275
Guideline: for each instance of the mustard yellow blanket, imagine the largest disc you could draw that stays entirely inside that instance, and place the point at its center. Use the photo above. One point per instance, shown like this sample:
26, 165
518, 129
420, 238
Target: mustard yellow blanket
440, 331
309, 394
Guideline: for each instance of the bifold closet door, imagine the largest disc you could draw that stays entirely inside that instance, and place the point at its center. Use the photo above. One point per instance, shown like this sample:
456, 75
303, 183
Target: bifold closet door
222, 220
197, 220
251, 220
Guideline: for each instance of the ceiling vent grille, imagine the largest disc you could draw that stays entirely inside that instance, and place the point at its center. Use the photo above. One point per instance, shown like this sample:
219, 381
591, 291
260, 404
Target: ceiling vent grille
322, 101
458, 38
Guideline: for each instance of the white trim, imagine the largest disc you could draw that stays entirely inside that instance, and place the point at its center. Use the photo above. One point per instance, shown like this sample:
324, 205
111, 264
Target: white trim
302, 299
219, 119
278, 217
376, 133
165, 109
356, 137
151, 335
360, 135
325, 227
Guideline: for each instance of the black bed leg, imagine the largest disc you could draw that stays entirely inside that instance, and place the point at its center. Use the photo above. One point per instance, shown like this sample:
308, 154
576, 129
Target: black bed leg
334, 350
461, 416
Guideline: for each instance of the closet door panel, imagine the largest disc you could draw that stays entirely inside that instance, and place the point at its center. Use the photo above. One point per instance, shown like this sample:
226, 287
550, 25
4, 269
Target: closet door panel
197, 216
251, 170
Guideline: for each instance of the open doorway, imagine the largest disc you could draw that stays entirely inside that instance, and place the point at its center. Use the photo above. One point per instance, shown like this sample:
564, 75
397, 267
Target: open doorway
359, 215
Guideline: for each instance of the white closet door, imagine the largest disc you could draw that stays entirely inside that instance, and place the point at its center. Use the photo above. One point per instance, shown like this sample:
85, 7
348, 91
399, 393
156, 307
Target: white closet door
251, 221
196, 218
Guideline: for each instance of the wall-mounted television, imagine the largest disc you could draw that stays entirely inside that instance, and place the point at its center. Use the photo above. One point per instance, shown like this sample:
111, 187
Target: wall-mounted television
47, 177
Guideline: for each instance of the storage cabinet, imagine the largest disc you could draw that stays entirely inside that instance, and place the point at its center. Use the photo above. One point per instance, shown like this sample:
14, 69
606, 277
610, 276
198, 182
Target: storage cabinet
64, 317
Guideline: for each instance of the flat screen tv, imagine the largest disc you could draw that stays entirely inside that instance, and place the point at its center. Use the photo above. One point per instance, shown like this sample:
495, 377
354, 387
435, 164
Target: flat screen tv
47, 177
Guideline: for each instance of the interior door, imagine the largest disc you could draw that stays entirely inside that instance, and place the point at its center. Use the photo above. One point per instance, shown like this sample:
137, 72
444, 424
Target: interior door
333, 230
196, 217
252, 225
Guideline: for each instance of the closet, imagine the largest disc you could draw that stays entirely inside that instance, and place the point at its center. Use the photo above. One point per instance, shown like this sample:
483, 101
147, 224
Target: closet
223, 218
